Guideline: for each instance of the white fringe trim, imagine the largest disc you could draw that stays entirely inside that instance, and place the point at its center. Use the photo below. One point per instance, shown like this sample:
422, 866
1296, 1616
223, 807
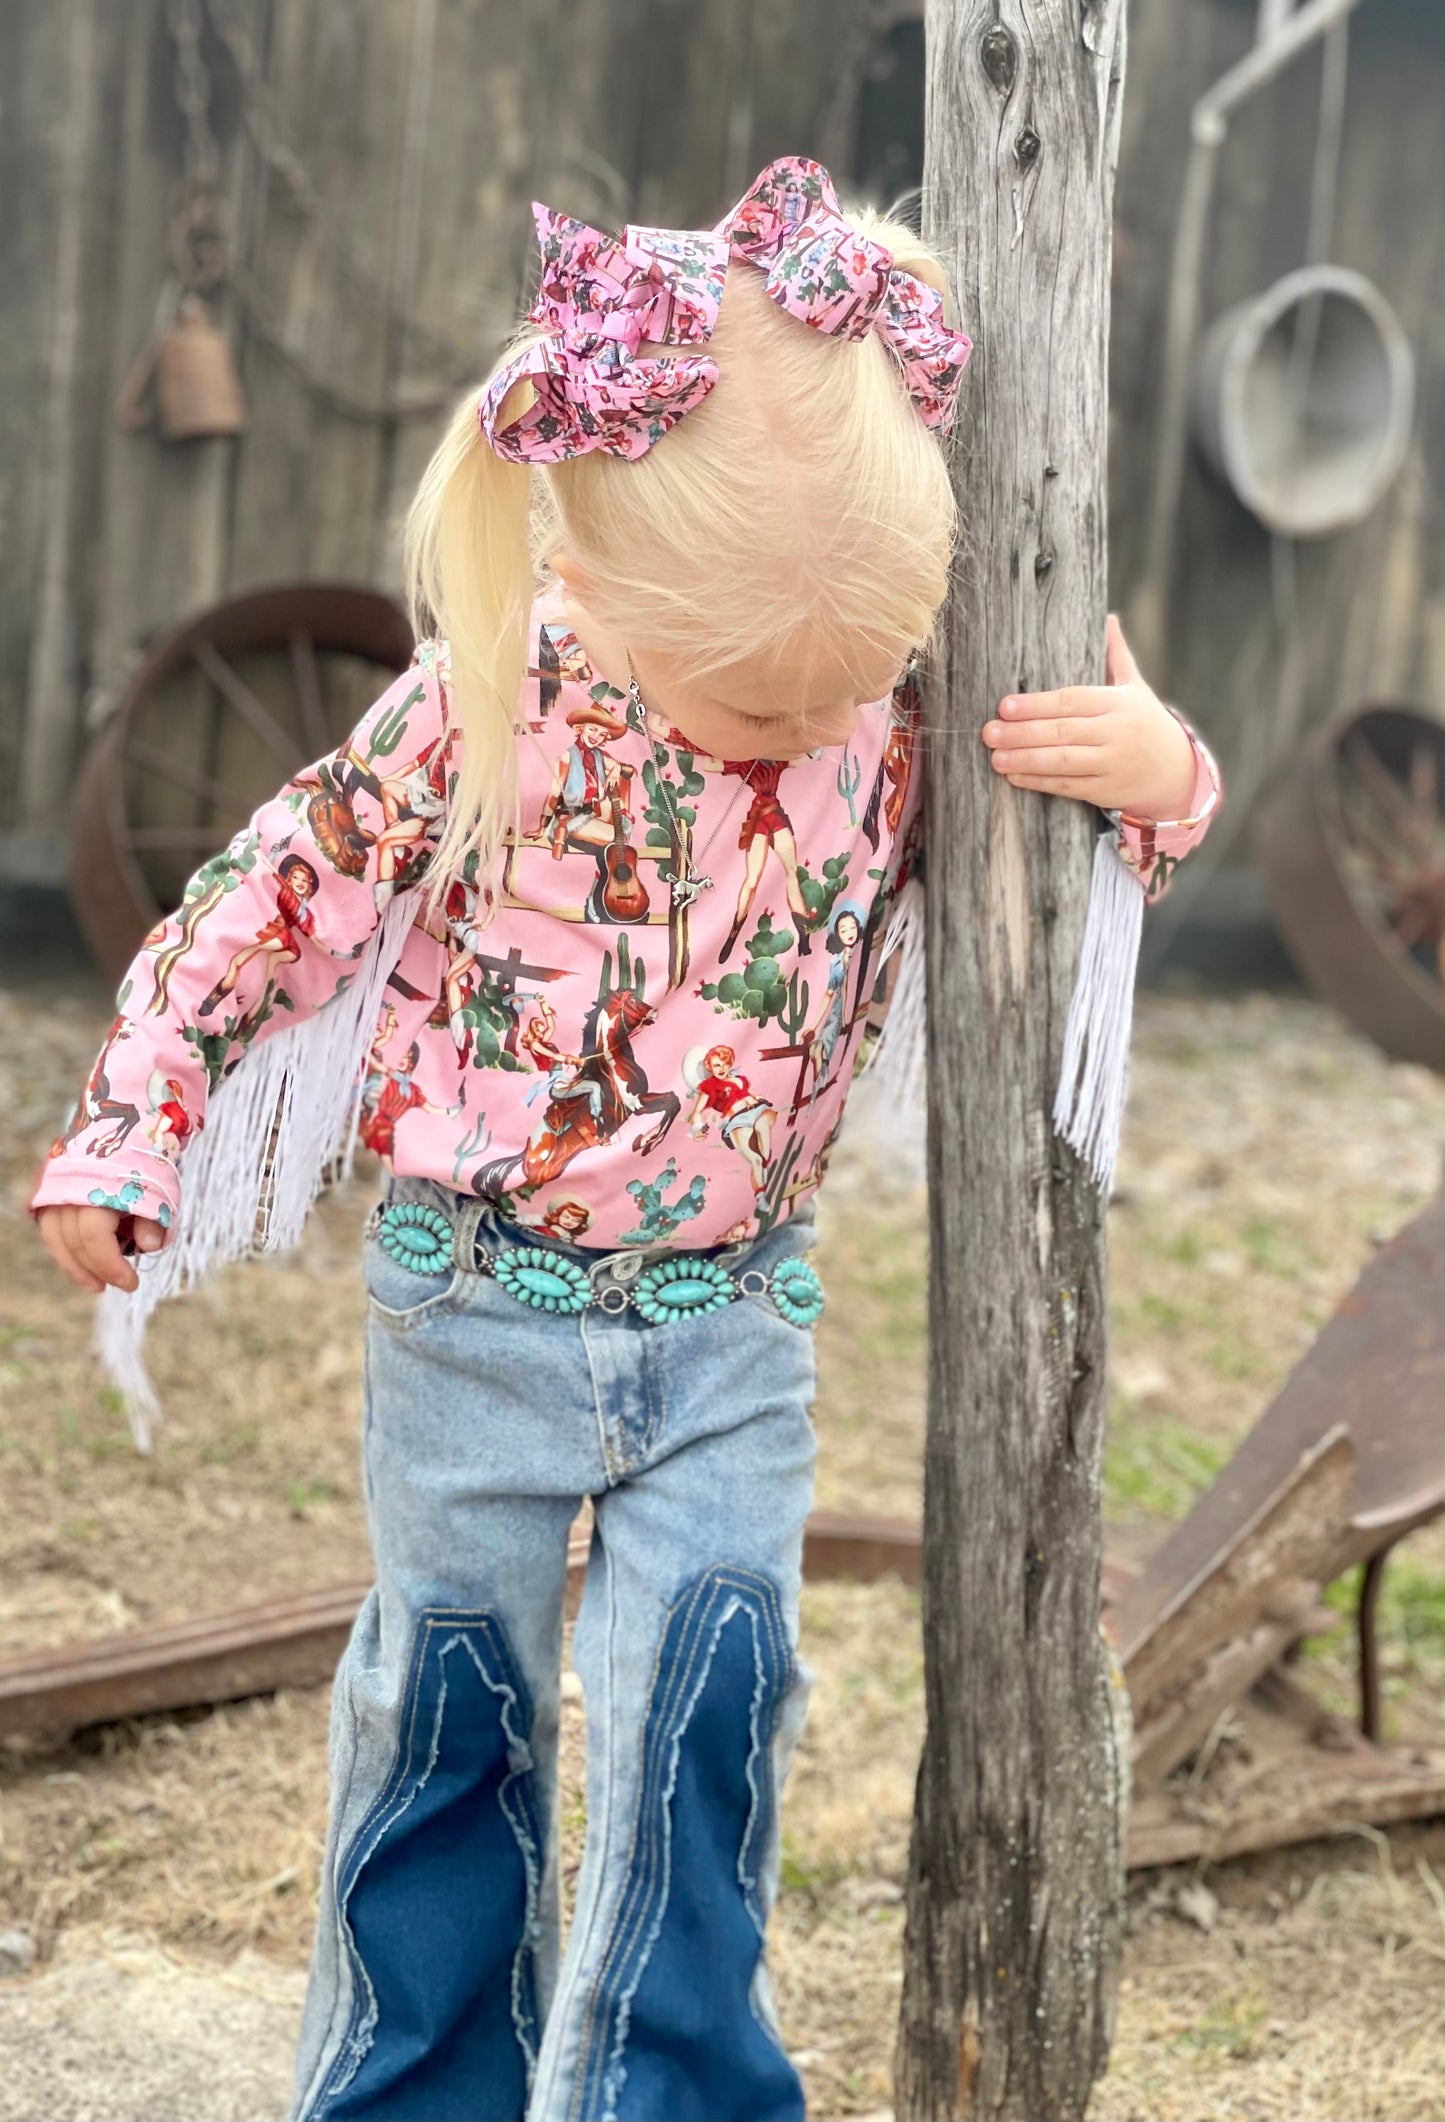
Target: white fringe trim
281, 1124
897, 1072
1094, 1080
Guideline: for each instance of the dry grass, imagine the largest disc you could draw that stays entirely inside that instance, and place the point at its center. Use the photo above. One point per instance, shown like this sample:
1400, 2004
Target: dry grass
1267, 1150
1318, 1997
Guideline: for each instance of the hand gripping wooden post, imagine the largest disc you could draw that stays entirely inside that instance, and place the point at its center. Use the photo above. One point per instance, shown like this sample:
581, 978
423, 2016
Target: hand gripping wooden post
1015, 1882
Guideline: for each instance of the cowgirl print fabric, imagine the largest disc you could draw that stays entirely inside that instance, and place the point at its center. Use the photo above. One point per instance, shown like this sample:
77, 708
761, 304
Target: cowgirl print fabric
626, 1054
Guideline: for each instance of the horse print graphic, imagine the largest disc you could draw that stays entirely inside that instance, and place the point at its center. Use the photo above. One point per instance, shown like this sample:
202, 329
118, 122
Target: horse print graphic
592, 1094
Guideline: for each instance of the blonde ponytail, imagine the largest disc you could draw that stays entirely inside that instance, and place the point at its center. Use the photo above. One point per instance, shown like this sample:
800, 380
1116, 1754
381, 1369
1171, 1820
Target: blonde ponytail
468, 564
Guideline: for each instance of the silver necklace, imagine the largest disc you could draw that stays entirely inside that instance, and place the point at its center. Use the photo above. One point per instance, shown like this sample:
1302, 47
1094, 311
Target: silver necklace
692, 883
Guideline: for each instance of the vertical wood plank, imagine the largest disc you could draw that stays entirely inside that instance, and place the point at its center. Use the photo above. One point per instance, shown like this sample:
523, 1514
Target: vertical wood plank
553, 93
165, 508
53, 663
807, 65
32, 56
310, 481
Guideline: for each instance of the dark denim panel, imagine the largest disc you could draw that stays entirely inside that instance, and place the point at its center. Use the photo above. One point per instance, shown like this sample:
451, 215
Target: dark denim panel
671, 2025
435, 1891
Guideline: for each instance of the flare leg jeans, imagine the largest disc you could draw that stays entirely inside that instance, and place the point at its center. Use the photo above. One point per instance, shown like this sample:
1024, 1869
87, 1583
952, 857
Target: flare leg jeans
436, 1993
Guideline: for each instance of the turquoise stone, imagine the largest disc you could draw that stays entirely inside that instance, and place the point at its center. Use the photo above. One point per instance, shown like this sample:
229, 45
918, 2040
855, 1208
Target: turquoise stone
542, 1282
681, 1289
416, 1235
797, 1292
683, 1295
542, 1279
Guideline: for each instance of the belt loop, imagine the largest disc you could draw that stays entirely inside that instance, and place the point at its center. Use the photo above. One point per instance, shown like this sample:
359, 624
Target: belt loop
464, 1234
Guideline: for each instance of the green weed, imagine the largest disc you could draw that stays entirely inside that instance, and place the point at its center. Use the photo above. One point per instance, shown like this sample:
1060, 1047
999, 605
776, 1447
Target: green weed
234, 1443
1232, 2028
1156, 1467
1232, 1357
1271, 1247
301, 1496
77, 1436
1410, 1617
803, 1874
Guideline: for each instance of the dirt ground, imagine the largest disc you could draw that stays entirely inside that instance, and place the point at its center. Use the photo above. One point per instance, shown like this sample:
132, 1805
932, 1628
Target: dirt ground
1267, 1151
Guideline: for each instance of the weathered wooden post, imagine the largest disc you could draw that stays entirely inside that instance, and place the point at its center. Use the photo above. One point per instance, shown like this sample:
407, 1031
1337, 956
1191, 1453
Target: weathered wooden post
1015, 1884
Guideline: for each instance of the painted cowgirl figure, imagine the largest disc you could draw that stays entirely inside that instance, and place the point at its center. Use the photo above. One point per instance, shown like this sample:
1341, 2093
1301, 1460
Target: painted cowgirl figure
657, 1024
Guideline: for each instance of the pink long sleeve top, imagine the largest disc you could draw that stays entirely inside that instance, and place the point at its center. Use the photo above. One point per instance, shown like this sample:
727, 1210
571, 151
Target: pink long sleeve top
652, 1040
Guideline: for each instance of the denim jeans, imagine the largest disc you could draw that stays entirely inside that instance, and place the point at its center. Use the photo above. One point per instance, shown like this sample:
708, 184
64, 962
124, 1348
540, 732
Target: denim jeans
436, 1993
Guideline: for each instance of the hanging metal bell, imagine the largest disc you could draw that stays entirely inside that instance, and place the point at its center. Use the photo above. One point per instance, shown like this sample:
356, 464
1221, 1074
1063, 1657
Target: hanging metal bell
198, 392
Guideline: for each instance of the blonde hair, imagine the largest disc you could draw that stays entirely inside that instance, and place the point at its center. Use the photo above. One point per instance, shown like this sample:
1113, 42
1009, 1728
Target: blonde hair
803, 497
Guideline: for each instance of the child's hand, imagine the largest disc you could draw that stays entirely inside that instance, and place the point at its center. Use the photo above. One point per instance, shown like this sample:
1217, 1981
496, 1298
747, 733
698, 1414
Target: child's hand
1115, 745
85, 1244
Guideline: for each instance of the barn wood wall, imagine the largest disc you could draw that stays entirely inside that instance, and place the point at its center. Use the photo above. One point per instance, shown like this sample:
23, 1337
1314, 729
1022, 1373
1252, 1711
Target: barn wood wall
654, 108
1368, 611
427, 126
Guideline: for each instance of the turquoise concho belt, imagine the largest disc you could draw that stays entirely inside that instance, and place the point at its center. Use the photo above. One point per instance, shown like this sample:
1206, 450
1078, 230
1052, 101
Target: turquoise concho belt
682, 1286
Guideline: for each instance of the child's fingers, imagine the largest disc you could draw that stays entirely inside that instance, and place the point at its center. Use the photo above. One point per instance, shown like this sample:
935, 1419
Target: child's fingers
1052, 730
1061, 761
53, 1237
1119, 664
97, 1248
1082, 787
1068, 701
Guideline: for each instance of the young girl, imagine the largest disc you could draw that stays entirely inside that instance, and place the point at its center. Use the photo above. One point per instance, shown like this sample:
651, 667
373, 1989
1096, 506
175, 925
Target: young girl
744, 526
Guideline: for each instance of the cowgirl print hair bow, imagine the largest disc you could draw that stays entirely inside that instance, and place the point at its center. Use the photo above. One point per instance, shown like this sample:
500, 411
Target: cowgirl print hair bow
600, 297
827, 275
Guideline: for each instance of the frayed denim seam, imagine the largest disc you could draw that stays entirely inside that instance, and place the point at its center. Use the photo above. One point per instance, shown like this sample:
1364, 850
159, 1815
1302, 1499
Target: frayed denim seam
615, 2075
345, 1706
780, 1750
526, 1829
357, 2041
367, 1421
649, 1863
599, 1834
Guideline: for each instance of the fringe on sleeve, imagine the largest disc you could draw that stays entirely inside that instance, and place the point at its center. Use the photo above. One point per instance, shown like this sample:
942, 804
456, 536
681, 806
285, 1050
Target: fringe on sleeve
278, 1128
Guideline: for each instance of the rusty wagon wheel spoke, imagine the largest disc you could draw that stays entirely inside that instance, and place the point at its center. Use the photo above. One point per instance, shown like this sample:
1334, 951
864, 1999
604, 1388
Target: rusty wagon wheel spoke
177, 772
235, 689
308, 692
1352, 843
220, 715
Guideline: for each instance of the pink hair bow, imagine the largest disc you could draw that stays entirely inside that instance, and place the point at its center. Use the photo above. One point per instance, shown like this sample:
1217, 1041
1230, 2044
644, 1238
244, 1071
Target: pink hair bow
821, 271
600, 298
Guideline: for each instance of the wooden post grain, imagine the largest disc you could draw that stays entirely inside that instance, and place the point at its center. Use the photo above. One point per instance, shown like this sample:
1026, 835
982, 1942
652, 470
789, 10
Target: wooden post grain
1015, 1883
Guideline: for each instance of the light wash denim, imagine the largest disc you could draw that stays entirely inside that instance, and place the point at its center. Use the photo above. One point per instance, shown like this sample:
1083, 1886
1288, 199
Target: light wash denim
436, 1993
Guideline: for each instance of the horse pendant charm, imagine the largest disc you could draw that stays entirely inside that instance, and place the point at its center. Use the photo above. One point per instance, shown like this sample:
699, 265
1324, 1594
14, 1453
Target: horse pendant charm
686, 889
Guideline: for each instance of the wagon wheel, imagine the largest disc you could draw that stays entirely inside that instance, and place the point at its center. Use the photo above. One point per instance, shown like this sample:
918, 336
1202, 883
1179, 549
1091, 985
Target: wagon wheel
1353, 849
218, 717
